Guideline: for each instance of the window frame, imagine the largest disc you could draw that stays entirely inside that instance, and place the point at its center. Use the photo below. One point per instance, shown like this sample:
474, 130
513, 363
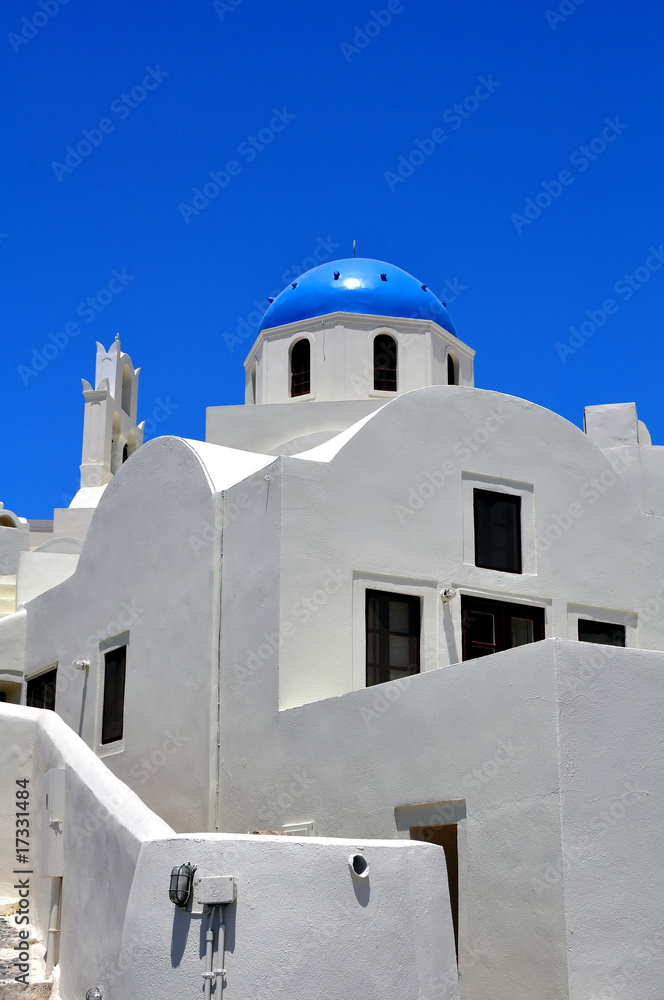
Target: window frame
629, 620
39, 675
427, 589
618, 626
513, 500
471, 481
291, 374
504, 610
482, 531
384, 335
383, 633
108, 646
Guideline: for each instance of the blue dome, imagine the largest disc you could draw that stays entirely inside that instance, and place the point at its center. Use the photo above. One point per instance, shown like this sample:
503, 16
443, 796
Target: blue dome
356, 285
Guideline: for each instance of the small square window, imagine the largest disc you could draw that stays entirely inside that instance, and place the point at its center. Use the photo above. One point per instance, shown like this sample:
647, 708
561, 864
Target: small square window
497, 530
605, 633
115, 663
393, 636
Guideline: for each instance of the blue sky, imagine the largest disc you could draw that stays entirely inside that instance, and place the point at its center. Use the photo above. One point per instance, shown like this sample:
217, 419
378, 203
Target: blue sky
339, 109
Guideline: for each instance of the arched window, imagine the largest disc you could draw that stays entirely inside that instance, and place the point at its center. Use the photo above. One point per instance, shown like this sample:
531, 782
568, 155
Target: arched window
253, 382
452, 370
116, 445
125, 453
385, 363
300, 368
126, 389
7, 521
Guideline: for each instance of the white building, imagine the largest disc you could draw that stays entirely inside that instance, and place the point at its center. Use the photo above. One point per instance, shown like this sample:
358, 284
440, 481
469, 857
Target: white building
308, 624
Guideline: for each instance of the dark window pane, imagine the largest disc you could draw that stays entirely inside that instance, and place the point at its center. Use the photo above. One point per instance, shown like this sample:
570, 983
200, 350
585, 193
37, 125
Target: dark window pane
301, 368
41, 690
497, 531
451, 371
114, 689
491, 626
604, 632
385, 363
393, 636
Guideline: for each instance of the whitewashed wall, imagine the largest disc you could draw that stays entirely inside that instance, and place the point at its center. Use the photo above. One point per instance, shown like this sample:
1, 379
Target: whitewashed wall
302, 924
342, 366
526, 750
395, 506
148, 576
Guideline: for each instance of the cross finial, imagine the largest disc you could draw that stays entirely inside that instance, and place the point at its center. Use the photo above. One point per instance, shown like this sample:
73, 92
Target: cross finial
354, 249
117, 336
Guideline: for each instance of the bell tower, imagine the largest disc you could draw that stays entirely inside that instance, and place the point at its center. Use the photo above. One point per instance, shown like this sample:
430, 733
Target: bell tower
110, 432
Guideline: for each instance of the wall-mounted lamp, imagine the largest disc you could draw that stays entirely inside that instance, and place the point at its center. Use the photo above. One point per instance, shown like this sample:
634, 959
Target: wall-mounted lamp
81, 664
182, 878
94, 994
447, 594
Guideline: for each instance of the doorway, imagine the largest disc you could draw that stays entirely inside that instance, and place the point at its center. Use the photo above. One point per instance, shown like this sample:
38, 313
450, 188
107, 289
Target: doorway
447, 837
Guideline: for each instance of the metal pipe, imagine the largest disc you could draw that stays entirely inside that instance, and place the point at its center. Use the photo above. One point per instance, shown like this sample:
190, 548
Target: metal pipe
52, 947
220, 972
208, 975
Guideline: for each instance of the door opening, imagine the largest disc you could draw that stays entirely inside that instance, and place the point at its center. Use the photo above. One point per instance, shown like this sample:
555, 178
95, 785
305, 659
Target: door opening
445, 836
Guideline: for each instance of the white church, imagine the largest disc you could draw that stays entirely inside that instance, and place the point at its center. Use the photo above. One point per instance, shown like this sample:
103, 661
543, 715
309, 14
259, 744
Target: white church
360, 697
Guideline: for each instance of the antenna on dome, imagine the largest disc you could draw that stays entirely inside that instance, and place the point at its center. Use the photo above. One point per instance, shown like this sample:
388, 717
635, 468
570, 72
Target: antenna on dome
354, 249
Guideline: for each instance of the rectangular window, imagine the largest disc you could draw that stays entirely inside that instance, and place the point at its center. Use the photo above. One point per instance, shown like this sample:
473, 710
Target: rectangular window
497, 530
115, 662
491, 626
393, 636
41, 690
604, 632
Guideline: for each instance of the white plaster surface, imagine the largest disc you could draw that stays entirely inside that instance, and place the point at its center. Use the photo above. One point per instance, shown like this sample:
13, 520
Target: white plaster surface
342, 357
156, 588
302, 925
13, 541
104, 825
12, 647
535, 742
237, 581
276, 427
39, 571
